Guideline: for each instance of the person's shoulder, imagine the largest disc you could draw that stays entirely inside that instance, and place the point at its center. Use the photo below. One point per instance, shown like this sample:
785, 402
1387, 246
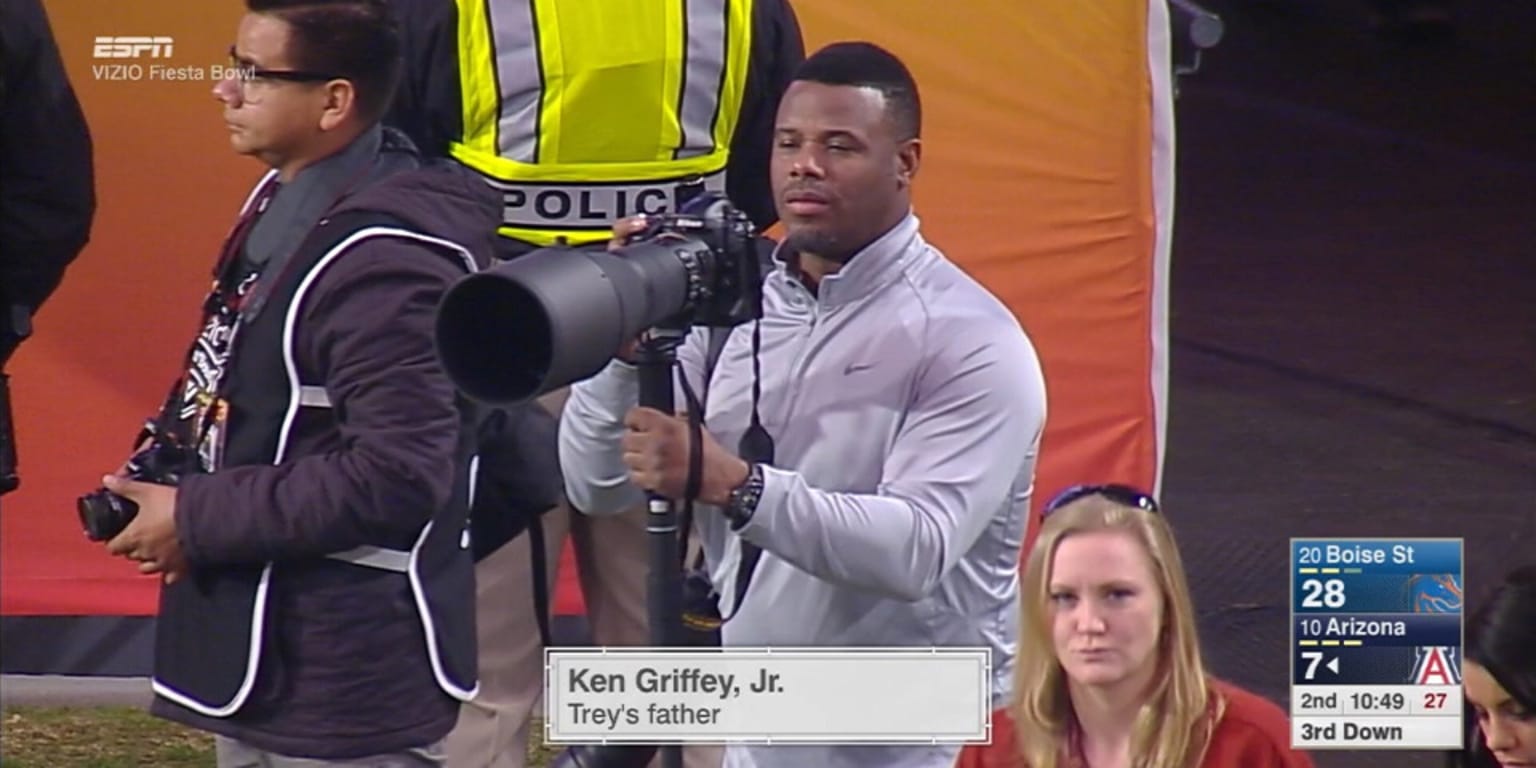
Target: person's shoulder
1253, 727
1250, 709
958, 303
773, 13
419, 16
373, 254
23, 31
24, 20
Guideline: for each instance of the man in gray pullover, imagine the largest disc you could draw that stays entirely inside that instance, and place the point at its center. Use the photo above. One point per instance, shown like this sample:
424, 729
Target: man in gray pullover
904, 402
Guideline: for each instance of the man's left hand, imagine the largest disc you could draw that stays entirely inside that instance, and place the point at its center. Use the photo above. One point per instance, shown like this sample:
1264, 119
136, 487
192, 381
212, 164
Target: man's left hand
656, 452
150, 537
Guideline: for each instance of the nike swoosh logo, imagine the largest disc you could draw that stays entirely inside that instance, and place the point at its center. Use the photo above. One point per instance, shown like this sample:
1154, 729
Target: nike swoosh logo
853, 367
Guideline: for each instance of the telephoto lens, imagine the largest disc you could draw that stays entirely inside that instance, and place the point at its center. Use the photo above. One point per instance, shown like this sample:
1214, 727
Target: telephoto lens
557, 315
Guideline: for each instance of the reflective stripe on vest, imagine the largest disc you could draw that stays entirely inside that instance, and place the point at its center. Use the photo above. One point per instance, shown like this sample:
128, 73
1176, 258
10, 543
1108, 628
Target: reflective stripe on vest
583, 112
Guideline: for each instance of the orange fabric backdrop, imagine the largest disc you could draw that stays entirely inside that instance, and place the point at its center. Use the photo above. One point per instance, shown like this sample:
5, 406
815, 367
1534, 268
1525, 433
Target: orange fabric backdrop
1036, 178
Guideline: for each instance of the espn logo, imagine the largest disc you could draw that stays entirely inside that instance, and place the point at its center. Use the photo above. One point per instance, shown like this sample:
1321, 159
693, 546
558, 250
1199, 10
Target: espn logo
133, 47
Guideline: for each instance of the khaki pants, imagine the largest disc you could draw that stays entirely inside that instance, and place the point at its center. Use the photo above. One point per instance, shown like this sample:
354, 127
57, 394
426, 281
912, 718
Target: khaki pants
612, 563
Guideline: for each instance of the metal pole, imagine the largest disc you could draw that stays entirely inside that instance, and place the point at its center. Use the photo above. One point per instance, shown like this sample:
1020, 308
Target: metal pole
656, 357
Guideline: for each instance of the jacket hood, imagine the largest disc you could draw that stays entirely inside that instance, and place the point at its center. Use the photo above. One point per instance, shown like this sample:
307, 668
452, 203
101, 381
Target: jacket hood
436, 197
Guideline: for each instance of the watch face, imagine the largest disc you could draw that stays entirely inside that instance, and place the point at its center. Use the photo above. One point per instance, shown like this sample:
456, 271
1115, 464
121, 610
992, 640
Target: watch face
744, 497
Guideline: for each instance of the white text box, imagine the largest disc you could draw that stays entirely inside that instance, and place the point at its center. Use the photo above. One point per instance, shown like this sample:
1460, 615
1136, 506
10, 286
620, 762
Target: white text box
884, 696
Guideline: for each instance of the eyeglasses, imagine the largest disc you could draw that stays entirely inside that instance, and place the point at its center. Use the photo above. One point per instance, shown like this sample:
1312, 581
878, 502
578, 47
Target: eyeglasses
1120, 494
248, 73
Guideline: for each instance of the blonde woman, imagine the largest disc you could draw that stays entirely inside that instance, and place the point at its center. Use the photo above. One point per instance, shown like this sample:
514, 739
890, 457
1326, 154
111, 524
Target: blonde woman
1123, 684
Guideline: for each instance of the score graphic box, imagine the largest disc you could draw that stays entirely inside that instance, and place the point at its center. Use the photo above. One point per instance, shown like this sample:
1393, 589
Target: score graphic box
1376, 640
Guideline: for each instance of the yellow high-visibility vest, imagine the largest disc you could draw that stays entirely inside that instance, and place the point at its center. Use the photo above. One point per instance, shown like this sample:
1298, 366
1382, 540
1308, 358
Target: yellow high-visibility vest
586, 111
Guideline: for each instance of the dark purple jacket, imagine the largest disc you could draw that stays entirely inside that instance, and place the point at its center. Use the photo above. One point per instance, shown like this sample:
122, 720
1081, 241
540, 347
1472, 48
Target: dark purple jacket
344, 672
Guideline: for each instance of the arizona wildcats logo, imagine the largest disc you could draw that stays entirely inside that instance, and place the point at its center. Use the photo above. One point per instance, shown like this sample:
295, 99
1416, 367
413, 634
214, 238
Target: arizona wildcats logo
1436, 665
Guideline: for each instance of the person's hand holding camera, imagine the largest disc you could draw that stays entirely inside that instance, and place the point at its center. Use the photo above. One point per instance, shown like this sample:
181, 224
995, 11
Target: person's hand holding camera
151, 537
656, 452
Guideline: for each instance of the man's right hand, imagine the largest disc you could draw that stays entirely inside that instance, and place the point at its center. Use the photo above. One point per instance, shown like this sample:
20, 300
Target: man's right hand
623, 229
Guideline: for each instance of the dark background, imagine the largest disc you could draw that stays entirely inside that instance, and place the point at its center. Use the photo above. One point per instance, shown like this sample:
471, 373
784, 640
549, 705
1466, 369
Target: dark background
1353, 307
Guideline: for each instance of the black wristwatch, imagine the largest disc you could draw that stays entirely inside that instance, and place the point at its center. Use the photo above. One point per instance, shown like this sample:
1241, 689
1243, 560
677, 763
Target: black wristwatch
744, 498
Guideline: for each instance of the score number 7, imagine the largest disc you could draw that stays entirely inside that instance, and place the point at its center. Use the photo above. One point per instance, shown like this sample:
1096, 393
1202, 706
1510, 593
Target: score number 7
1313, 658
1322, 594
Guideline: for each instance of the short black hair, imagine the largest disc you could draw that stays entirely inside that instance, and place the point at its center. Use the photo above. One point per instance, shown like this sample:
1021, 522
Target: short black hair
357, 40
867, 65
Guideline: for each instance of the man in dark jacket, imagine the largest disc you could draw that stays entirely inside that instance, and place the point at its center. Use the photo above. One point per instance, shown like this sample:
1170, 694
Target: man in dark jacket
47, 192
606, 127
319, 589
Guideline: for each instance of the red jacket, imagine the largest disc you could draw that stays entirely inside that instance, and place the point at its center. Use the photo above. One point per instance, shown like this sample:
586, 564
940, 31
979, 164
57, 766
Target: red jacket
1253, 733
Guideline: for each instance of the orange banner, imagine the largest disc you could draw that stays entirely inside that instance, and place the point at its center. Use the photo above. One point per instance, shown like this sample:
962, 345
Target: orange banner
1038, 177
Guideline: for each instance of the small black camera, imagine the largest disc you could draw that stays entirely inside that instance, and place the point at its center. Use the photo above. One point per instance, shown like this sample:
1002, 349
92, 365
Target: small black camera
163, 461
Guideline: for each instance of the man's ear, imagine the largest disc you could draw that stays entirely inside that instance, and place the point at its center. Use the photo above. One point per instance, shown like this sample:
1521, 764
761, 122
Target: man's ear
340, 103
908, 157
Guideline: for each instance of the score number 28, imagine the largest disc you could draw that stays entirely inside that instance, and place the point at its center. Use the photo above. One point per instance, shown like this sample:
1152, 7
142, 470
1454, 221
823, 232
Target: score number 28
1319, 593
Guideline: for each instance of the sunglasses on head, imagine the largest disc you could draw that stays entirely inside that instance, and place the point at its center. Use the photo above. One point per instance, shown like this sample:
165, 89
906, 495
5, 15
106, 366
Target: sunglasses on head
1120, 494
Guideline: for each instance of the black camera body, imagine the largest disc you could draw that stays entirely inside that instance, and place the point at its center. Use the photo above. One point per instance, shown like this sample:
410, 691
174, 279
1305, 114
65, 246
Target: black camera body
164, 461
717, 245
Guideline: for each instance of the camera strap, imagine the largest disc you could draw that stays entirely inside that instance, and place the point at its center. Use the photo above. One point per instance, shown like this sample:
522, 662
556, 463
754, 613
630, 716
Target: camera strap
756, 447
222, 300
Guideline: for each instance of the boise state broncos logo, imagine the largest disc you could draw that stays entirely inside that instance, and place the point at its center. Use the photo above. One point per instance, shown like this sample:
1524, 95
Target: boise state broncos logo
1433, 593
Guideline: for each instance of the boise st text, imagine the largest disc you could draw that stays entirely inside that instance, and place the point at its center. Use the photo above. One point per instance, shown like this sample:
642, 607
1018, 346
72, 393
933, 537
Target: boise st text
1354, 554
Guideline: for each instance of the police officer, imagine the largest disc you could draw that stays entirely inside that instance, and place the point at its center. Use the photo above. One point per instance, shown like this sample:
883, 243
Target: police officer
581, 114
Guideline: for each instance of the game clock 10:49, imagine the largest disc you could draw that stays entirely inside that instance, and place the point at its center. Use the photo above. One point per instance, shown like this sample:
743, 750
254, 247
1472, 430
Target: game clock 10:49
1384, 701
